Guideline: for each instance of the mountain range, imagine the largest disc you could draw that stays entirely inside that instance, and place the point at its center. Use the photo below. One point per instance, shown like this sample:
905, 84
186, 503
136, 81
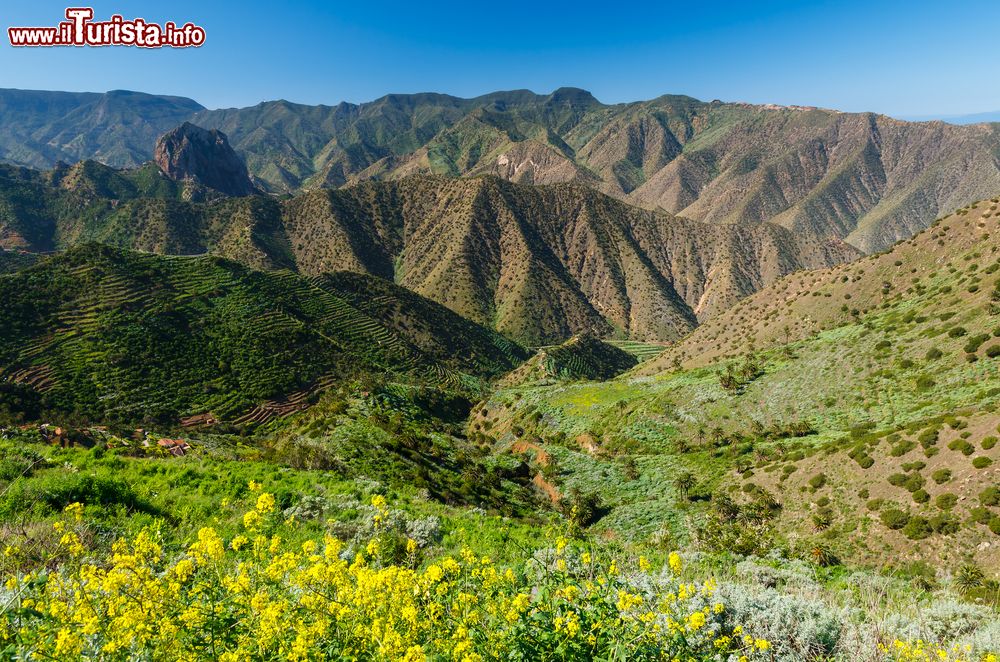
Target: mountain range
538, 263
862, 178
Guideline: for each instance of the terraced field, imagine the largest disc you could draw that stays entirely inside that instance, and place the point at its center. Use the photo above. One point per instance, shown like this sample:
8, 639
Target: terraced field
104, 334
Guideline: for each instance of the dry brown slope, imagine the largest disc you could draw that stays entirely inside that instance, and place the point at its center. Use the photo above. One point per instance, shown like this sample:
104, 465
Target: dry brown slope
544, 262
803, 303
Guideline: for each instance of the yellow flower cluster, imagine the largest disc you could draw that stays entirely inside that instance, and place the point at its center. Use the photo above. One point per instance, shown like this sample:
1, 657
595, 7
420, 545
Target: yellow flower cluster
921, 651
257, 596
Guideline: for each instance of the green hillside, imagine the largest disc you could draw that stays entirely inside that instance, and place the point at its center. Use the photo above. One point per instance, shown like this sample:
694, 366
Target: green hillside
98, 334
857, 406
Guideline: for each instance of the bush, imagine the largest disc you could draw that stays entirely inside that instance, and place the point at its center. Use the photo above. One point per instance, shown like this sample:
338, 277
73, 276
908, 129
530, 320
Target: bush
897, 480
946, 501
993, 351
902, 448
917, 528
58, 492
980, 515
914, 482
981, 462
988, 443
990, 497
994, 525
808, 627
925, 382
941, 476
973, 344
817, 481
933, 354
894, 518
921, 496
945, 524
962, 446
957, 332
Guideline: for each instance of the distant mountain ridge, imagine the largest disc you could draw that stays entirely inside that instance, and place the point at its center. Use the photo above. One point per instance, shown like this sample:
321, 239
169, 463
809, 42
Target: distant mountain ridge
862, 178
119, 128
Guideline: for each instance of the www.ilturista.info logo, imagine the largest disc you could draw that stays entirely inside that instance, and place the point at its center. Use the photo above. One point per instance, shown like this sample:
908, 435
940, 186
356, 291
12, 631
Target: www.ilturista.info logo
81, 30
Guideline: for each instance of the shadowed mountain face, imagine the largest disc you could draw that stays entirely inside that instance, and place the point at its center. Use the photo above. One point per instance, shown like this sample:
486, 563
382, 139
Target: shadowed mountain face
540, 263
862, 178
190, 153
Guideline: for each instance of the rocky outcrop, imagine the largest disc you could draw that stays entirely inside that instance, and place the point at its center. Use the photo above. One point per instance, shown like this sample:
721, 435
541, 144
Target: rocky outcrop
191, 153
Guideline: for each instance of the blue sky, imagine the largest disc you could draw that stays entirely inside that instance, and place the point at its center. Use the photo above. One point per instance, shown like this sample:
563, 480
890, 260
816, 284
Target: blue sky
912, 58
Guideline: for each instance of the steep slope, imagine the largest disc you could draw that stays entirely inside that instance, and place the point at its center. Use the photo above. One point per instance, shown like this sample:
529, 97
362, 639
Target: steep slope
190, 153
859, 177
537, 263
808, 302
543, 263
856, 405
105, 335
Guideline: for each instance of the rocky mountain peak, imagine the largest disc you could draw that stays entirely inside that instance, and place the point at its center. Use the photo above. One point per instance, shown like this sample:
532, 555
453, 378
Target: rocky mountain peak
191, 153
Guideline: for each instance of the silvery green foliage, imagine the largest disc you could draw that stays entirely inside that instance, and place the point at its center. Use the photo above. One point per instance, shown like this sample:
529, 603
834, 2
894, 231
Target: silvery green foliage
789, 574
310, 507
799, 627
942, 621
985, 638
424, 531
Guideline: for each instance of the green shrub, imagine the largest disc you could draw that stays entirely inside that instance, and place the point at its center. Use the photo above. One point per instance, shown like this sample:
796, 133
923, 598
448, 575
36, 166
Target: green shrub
988, 442
990, 497
897, 480
928, 437
962, 446
993, 351
994, 525
941, 476
980, 515
933, 354
973, 344
902, 448
944, 524
981, 462
957, 332
917, 528
921, 496
925, 382
817, 481
894, 518
914, 482
946, 501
